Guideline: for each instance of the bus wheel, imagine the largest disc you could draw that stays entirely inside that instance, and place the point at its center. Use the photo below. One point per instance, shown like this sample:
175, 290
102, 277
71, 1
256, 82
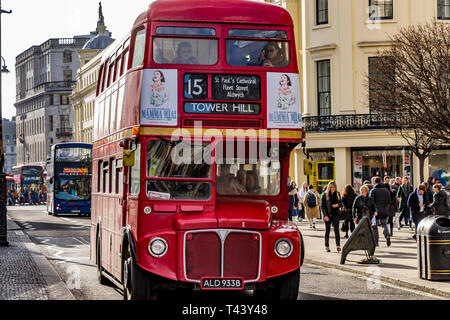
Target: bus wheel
100, 277
282, 288
54, 214
136, 283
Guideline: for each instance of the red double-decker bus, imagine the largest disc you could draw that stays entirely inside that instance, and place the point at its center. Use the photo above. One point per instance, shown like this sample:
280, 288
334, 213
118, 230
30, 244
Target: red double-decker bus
196, 114
29, 176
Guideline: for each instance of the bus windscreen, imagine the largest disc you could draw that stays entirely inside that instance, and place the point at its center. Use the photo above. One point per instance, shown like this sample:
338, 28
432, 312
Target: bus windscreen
72, 181
31, 175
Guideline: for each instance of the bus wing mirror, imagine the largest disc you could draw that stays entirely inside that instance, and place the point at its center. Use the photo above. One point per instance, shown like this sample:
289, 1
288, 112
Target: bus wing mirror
128, 158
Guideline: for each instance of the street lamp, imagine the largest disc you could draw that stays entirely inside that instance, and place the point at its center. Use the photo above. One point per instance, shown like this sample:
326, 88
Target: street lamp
4, 67
3, 221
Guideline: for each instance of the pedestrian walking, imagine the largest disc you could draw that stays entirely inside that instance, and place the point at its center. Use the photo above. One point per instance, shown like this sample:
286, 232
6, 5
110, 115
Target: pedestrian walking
363, 206
293, 199
416, 203
397, 183
382, 199
394, 188
331, 203
429, 195
368, 184
348, 198
402, 195
440, 201
391, 209
301, 196
311, 203
26, 196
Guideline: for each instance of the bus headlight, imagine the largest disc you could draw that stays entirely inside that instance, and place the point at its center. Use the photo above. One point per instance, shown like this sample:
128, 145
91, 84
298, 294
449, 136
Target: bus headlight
158, 247
283, 248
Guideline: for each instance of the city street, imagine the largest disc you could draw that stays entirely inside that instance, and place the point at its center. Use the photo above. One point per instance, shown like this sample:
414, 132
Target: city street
64, 240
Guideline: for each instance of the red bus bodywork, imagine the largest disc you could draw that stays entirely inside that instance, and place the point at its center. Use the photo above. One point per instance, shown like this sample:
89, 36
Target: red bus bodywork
205, 238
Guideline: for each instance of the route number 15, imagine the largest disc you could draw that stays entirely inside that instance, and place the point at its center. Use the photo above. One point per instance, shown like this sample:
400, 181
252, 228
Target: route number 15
195, 86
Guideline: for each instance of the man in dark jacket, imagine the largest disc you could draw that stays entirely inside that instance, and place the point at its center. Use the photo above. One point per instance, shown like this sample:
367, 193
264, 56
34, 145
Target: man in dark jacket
391, 208
440, 202
382, 199
417, 204
402, 195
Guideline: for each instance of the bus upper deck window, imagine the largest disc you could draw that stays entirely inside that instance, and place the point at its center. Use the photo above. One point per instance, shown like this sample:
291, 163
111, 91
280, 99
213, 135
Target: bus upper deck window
258, 53
185, 51
139, 49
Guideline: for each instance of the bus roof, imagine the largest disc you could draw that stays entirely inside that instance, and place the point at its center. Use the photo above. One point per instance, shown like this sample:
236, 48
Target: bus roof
229, 11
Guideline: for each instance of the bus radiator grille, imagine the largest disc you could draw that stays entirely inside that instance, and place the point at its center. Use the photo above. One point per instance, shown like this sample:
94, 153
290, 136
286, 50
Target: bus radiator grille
241, 256
203, 255
238, 251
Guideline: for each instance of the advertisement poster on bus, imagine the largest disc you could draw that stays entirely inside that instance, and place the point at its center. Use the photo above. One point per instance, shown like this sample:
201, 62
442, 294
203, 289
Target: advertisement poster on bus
283, 101
159, 97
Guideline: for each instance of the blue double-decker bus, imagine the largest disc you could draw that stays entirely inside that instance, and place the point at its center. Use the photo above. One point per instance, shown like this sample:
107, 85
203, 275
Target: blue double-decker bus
69, 171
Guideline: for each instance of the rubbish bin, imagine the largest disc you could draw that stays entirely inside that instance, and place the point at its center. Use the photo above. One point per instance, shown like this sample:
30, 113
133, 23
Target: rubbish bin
433, 246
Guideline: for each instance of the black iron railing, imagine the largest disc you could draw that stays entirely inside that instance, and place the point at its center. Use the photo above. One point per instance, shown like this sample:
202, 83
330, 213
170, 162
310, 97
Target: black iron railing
64, 132
350, 122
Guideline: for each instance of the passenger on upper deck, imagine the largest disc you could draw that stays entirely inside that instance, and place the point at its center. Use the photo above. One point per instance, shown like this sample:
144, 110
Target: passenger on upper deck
184, 54
272, 56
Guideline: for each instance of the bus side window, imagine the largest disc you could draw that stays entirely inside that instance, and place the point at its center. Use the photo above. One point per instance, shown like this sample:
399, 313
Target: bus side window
135, 172
139, 48
124, 62
105, 177
119, 176
112, 177
100, 176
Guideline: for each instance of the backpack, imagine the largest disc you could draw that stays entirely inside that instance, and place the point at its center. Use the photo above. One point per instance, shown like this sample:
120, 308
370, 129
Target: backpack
311, 201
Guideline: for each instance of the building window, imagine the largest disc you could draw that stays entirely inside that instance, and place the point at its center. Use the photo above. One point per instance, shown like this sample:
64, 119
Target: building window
321, 12
50, 120
381, 9
324, 87
376, 77
68, 76
64, 99
67, 56
65, 123
443, 9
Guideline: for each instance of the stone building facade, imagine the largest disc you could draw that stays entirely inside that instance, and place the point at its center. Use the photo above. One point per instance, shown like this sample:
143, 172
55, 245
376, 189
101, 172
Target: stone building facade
9, 144
45, 75
84, 92
336, 42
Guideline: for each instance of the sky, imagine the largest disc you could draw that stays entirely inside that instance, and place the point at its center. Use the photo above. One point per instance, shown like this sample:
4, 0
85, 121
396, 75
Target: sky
33, 22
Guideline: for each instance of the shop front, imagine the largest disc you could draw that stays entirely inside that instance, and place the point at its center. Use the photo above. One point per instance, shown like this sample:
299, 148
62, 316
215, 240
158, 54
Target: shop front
439, 167
369, 163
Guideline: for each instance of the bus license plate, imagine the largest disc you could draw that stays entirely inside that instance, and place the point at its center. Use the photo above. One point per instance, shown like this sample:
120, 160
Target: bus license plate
222, 284
76, 211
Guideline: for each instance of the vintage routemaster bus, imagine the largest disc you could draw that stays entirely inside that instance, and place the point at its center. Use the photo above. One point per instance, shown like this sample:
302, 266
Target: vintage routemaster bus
69, 179
196, 114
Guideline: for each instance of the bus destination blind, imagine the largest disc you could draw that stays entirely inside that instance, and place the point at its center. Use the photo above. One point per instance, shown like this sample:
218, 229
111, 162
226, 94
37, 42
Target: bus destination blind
236, 87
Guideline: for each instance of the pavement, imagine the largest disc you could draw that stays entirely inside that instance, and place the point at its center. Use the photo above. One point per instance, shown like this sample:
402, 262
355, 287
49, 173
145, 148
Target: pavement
398, 264
25, 273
